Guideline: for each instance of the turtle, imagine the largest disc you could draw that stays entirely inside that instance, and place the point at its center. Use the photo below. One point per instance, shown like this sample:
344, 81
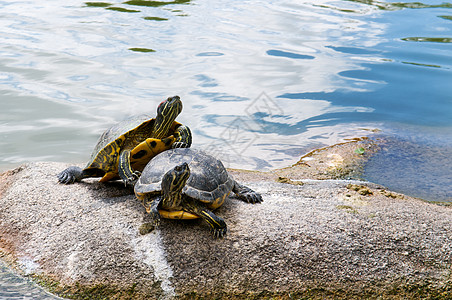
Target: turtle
187, 183
124, 149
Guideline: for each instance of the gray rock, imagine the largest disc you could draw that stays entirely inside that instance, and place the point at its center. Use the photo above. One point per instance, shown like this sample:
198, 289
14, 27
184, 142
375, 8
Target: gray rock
319, 239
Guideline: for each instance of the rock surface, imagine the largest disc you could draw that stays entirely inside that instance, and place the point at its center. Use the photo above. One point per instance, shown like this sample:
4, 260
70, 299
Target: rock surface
318, 238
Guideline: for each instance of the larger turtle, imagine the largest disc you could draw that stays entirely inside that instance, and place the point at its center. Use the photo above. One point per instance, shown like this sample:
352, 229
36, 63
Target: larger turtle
187, 184
124, 149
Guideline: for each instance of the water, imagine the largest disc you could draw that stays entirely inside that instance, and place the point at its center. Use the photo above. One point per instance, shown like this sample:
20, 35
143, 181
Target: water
417, 165
14, 287
262, 82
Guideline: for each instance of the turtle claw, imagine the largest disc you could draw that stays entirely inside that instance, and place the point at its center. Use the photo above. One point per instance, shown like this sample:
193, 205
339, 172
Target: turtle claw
250, 197
133, 178
70, 175
219, 232
180, 145
246, 194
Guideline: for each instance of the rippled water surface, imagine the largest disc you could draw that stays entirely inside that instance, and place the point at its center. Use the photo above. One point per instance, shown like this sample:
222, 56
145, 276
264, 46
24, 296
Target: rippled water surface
262, 82
14, 287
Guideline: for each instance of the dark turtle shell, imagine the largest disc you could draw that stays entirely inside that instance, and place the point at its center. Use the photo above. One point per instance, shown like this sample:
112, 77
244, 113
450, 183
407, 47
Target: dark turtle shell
127, 134
209, 181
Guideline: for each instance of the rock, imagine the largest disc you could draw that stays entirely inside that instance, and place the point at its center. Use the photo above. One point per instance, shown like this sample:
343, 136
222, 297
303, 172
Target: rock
320, 239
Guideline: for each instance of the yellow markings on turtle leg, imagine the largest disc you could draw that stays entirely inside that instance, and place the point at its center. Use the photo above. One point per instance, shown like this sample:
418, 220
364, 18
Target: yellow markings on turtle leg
124, 168
210, 220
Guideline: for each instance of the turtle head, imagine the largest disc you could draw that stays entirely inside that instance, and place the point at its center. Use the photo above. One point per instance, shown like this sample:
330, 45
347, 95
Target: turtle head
172, 184
167, 111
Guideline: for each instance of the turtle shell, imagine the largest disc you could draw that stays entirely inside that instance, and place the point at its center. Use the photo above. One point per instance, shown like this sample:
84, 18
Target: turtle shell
209, 182
124, 135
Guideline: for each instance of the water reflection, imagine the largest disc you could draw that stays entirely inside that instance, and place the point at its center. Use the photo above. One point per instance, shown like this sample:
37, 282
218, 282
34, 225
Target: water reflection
289, 54
14, 287
328, 67
428, 39
156, 3
121, 9
446, 17
98, 4
401, 5
155, 19
145, 3
144, 50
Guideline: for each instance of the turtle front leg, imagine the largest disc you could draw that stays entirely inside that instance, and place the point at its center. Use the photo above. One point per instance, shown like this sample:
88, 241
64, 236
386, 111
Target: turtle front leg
183, 137
152, 218
129, 176
71, 175
216, 223
246, 194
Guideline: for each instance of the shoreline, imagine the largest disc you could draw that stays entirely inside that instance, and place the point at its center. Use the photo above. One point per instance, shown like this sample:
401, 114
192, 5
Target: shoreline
343, 160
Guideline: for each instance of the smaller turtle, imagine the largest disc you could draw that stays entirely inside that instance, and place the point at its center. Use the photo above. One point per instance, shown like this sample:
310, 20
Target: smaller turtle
124, 149
188, 184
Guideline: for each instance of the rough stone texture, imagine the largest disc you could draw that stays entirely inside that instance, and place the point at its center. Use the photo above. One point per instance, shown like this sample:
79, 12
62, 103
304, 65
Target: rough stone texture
322, 238
337, 161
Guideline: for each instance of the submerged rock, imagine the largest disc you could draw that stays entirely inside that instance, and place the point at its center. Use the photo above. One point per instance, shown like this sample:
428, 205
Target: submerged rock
319, 239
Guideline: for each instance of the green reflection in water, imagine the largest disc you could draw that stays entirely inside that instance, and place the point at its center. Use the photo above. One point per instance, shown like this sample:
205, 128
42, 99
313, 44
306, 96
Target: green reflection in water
145, 50
155, 19
401, 5
155, 3
427, 39
98, 4
336, 8
123, 9
421, 65
446, 17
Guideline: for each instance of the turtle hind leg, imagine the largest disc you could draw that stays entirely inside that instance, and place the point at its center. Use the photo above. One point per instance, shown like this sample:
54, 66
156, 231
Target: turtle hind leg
70, 175
216, 223
246, 194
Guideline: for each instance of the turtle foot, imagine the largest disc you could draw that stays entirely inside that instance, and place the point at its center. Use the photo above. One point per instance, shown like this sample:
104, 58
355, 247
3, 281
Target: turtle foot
180, 145
70, 175
219, 232
246, 194
146, 228
251, 197
133, 178
152, 218
152, 221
